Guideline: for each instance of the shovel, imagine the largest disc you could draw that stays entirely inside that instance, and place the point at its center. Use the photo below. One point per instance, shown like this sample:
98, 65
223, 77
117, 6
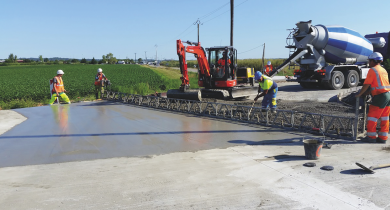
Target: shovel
372, 168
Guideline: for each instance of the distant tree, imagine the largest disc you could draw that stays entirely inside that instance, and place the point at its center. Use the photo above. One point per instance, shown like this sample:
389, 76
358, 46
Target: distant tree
45, 60
93, 61
15, 58
27, 61
74, 60
386, 65
139, 60
83, 60
10, 58
111, 59
131, 61
40, 58
104, 59
56, 62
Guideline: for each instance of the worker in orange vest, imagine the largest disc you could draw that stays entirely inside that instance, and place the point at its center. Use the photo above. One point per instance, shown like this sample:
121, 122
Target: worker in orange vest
99, 85
268, 68
377, 78
59, 89
221, 64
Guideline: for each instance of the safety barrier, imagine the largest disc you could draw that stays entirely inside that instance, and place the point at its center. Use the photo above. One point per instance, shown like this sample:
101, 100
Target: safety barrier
328, 125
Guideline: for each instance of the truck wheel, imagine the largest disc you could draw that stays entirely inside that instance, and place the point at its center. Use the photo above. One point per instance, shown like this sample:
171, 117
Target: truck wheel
336, 81
351, 78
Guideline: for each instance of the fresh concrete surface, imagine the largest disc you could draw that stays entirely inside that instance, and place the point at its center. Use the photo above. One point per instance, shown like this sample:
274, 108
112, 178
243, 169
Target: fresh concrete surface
88, 131
233, 170
9, 119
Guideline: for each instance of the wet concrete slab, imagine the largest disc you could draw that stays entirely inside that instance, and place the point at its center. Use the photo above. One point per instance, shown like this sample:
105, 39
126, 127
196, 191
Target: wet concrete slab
97, 130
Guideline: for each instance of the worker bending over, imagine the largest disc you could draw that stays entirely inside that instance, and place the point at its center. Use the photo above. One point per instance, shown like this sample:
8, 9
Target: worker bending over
58, 88
378, 79
268, 89
99, 83
268, 68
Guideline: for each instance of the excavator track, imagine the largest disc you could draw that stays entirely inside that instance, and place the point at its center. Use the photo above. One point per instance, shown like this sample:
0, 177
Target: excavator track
215, 93
191, 94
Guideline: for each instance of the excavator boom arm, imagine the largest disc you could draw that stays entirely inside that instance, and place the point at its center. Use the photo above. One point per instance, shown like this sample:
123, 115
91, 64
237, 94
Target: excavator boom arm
200, 55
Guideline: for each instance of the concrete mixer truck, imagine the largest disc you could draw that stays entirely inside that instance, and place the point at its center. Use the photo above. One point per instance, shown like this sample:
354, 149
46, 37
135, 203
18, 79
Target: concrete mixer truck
332, 56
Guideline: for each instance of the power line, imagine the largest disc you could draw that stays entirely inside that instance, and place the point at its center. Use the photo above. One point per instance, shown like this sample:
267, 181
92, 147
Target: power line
251, 49
185, 30
212, 12
224, 12
204, 16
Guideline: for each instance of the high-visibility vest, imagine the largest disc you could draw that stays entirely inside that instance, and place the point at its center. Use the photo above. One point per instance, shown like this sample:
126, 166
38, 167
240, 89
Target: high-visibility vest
379, 80
100, 78
222, 61
59, 86
268, 68
267, 84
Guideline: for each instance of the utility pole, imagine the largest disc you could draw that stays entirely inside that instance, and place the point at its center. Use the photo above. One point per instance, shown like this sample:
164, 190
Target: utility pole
135, 57
262, 67
156, 52
231, 21
198, 22
146, 58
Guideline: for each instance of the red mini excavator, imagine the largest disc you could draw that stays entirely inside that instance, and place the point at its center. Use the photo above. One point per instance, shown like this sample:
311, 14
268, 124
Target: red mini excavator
217, 74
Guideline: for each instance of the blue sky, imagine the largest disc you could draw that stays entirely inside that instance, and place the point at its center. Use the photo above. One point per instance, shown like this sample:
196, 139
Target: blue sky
91, 28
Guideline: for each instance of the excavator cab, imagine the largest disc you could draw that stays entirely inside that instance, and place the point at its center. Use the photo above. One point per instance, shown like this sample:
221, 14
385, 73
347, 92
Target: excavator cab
223, 63
216, 74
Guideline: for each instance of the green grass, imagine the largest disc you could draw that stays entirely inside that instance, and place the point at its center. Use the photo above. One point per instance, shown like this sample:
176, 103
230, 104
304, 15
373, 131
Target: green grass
26, 86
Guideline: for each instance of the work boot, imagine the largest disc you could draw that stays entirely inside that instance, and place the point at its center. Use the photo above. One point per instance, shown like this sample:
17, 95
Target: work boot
273, 110
97, 96
368, 140
378, 140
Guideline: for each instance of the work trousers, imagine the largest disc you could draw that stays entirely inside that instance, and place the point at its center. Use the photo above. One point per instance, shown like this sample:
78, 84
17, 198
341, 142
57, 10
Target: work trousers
269, 100
99, 90
62, 95
375, 113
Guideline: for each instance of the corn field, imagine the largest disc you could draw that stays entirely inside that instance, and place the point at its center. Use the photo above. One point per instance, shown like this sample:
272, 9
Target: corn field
32, 82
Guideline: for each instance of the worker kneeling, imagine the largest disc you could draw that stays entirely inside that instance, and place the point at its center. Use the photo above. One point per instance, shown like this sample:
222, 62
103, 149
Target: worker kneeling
99, 83
58, 88
380, 107
268, 89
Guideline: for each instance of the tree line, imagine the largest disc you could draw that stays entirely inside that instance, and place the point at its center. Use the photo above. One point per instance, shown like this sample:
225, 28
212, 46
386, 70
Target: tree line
106, 59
